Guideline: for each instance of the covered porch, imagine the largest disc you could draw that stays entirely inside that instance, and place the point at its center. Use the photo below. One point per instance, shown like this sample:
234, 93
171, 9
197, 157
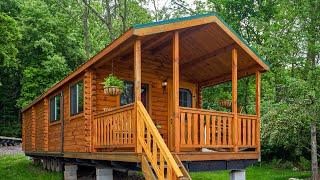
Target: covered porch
188, 58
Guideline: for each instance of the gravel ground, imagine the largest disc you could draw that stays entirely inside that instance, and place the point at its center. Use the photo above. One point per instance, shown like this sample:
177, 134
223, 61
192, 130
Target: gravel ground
10, 150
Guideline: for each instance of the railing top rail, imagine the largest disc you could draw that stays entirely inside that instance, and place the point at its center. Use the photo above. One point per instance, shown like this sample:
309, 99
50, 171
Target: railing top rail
115, 110
167, 155
205, 111
213, 112
252, 116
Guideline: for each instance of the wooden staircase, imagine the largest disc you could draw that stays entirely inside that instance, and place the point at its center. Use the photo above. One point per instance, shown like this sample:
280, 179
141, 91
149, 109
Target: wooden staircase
157, 161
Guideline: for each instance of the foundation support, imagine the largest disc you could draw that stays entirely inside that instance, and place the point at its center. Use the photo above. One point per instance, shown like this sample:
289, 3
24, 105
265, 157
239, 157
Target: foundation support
104, 173
70, 172
239, 174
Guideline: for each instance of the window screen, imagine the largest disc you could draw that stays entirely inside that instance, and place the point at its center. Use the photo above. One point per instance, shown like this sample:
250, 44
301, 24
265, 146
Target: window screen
76, 98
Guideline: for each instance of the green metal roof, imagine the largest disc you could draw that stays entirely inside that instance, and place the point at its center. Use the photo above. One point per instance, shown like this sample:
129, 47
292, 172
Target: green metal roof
163, 22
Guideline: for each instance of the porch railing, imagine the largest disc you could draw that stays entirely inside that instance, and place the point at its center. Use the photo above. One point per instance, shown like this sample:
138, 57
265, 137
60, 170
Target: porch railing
116, 128
201, 128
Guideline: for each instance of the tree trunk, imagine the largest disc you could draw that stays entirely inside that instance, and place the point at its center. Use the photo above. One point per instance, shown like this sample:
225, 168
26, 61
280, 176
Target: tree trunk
314, 159
86, 29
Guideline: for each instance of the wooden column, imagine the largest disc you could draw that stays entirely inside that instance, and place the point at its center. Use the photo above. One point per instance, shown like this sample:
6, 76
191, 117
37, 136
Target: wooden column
175, 88
234, 56
258, 89
137, 87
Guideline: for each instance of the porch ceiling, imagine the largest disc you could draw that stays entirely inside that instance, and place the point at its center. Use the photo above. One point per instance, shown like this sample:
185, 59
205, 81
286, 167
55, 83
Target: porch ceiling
205, 54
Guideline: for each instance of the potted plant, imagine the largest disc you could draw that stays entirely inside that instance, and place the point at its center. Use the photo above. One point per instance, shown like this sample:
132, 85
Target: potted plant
225, 100
113, 86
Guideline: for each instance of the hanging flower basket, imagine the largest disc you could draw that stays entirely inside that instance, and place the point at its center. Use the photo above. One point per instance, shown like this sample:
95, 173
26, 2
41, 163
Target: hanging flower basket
226, 103
112, 91
113, 86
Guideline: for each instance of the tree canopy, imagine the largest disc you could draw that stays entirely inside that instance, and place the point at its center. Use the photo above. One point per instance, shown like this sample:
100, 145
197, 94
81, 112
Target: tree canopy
44, 40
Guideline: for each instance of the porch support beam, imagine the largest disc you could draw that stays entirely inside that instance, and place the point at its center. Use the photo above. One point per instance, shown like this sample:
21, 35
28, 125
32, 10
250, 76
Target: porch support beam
175, 98
234, 56
258, 92
228, 77
137, 85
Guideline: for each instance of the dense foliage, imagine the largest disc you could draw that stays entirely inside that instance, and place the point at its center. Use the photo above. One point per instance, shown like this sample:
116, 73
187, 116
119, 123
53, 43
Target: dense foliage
43, 40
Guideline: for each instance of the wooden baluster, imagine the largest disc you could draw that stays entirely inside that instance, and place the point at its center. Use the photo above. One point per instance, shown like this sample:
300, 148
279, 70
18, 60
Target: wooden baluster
169, 171
224, 135
208, 129
104, 130
249, 132
202, 129
108, 130
161, 164
195, 129
126, 123
129, 127
183, 128
148, 139
121, 128
132, 127
219, 130
229, 131
254, 122
114, 125
98, 131
239, 131
213, 130
244, 132
101, 131
155, 151
189, 142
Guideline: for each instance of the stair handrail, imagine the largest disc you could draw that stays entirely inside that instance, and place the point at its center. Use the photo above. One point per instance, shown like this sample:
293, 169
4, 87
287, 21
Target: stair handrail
145, 117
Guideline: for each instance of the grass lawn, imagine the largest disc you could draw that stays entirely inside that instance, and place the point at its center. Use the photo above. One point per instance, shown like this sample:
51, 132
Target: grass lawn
20, 168
255, 172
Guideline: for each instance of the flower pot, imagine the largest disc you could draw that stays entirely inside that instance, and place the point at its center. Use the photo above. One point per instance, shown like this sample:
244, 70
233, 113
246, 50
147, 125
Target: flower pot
226, 103
112, 91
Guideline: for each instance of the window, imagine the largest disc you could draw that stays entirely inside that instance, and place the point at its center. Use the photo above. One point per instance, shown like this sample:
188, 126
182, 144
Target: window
55, 104
127, 96
185, 97
76, 98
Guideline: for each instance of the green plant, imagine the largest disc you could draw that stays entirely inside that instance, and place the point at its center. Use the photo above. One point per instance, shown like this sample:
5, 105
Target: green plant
113, 81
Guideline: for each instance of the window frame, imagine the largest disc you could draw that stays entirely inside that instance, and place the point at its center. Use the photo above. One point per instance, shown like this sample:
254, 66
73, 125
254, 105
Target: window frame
191, 96
77, 98
53, 97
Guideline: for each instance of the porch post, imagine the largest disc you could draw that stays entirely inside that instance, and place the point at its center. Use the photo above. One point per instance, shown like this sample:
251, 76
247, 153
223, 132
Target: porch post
234, 56
175, 98
137, 86
258, 91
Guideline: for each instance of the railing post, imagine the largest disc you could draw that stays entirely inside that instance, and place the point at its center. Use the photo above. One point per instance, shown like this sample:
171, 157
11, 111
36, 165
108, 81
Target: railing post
137, 88
258, 87
175, 98
234, 56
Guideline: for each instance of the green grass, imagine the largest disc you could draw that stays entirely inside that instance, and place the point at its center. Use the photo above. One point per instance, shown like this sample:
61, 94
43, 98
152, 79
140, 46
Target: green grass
19, 167
262, 172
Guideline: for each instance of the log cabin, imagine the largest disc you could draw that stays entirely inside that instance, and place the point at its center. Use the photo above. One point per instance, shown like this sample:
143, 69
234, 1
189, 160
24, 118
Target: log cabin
157, 124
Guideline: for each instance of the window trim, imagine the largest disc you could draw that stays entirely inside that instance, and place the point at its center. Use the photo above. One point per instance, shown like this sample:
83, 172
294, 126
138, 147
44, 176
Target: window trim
77, 98
49, 104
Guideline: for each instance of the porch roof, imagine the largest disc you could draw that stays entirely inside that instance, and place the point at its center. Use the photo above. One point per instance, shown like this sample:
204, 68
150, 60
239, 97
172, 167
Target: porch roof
206, 41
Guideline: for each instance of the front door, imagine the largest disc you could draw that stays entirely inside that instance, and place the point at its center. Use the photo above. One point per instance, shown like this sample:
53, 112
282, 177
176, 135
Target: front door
187, 98
127, 96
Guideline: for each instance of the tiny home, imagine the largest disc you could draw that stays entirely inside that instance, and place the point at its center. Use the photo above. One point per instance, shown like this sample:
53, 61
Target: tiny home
156, 124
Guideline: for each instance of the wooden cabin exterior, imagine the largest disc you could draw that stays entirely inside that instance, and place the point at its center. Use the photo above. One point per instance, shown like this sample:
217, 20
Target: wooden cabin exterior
160, 62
